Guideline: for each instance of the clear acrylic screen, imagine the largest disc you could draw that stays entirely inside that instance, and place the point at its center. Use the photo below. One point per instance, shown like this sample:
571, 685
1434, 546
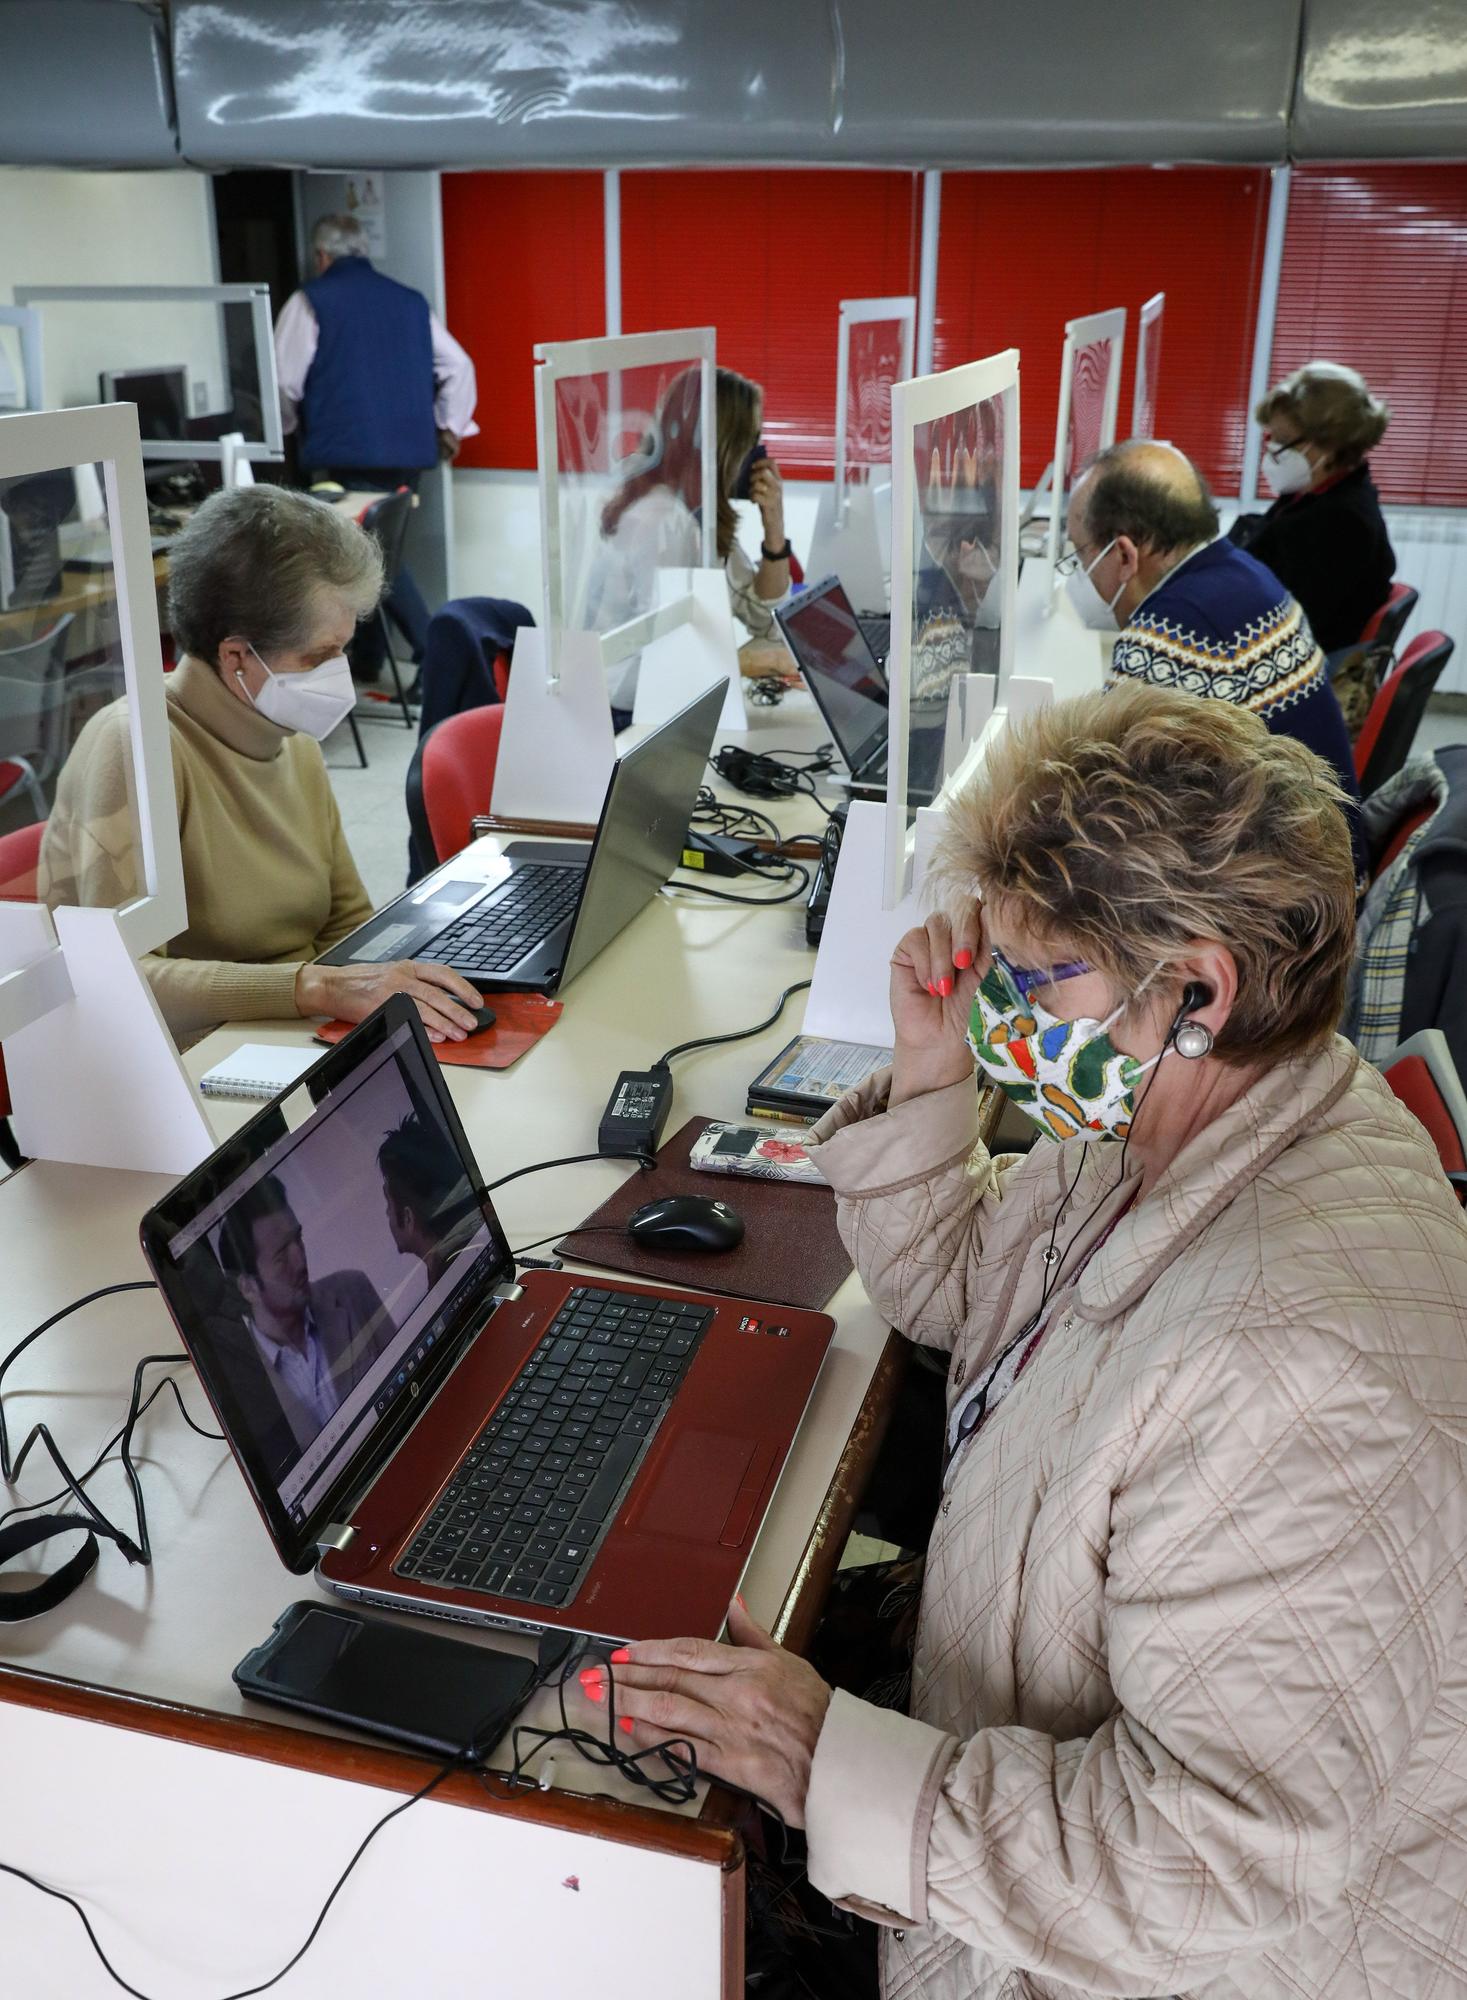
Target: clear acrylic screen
1088, 386
874, 362
1148, 363
61, 760
193, 366
629, 452
957, 469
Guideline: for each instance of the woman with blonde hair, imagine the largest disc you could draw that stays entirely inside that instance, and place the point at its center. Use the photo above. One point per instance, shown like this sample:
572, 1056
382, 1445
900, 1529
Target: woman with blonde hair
1324, 537
1190, 1673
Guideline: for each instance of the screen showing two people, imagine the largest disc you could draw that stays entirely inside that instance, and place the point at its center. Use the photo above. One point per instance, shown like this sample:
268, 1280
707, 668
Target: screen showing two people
320, 1278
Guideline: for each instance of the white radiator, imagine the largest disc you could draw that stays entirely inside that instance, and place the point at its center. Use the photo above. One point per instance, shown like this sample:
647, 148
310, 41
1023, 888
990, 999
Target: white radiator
1431, 553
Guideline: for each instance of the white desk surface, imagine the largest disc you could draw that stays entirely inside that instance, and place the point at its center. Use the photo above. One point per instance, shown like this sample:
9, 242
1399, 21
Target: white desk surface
172, 1633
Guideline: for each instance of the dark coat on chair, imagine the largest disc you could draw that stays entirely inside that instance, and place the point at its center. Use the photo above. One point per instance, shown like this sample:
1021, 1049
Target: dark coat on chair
464, 640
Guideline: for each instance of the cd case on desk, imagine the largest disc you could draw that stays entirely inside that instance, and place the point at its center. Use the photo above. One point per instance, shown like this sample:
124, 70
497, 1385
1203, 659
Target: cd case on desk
810, 1075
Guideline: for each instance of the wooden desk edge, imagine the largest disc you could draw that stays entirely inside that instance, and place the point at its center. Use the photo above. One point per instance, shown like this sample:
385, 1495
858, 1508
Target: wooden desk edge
392, 1770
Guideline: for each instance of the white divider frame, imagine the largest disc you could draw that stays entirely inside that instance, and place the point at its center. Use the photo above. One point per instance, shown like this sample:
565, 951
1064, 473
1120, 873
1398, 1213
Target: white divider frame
852, 538
94, 1076
1143, 391
863, 312
878, 890
271, 445
556, 746
925, 401
1084, 332
27, 322
690, 645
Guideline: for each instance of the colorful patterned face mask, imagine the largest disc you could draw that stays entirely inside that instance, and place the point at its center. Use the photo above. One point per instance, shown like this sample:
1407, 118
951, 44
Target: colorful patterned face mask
1068, 1075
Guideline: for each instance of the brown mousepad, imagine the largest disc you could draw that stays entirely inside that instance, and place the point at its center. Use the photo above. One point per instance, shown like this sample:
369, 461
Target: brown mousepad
791, 1252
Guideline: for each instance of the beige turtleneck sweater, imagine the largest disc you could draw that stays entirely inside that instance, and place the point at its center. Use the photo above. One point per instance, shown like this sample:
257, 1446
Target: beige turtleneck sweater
267, 872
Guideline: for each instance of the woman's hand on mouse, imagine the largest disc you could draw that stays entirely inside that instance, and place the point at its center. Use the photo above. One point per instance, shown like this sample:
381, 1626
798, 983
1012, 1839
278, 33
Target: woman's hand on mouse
752, 1712
443, 997
935, 971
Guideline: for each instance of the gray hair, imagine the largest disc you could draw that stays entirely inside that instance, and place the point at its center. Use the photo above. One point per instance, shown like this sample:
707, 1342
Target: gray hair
256, 563
1332, 407
339, 236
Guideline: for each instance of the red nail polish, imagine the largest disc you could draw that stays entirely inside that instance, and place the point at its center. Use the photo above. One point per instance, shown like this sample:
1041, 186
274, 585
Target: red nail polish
962, 960
594, 1691
932, 989
620, 1657
739, 1601
944, 987
624, 1722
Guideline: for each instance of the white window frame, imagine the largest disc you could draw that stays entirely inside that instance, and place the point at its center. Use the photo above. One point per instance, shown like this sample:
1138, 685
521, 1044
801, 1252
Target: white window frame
271, 445
33, 977
923, 401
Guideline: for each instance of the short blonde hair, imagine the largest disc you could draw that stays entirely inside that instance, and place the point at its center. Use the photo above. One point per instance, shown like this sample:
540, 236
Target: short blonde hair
1332, 407
1122, 826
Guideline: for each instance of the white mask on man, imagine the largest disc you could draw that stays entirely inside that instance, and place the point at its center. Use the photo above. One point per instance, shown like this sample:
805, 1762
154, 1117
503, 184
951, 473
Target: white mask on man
1097, 612
312, 703
1286, 471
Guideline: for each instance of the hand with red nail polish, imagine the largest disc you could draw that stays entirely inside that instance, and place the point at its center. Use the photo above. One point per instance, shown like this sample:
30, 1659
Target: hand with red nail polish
934, 974
750, 1711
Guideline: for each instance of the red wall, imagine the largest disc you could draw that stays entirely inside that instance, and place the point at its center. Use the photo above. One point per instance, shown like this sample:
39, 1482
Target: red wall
1375, 275
1023, 252
523, 261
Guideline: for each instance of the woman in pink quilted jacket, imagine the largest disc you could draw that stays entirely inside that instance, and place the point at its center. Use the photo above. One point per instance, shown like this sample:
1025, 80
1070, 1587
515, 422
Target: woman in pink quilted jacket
1189, 1696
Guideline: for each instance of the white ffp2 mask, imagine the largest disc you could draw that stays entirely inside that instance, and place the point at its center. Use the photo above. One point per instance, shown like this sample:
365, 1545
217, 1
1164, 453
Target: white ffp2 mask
1286, 471
313, 702
1093, 609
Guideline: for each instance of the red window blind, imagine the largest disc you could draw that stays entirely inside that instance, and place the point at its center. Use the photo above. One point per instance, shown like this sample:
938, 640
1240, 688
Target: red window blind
1375, 275
524, 262
766, 257
1022, 252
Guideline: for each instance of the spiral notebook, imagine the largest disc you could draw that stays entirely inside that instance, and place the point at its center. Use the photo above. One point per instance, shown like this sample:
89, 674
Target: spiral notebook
256, 1069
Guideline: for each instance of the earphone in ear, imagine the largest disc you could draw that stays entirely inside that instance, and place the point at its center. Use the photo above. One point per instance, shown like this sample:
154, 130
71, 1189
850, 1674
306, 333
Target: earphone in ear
1192, 1039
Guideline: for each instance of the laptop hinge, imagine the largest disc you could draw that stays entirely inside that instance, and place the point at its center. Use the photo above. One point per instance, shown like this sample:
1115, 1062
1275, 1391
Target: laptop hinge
337, 1536
505, 1295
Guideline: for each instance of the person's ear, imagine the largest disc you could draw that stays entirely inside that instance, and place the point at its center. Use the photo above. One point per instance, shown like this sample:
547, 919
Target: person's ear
237, 667
1211, 970
1129, 555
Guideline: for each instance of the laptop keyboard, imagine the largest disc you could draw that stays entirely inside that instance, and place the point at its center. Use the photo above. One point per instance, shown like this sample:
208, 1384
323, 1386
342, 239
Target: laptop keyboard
876, 631
530, 1501
499, 932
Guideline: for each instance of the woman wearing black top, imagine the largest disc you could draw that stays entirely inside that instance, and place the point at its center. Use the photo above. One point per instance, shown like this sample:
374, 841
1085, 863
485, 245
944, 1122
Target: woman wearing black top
1324, 537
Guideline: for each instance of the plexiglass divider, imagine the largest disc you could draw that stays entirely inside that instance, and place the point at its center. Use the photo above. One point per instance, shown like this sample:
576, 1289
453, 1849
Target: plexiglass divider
955, 507
197, 361
1148, 366
1089, 401
874, 349
93, 1072
20, 358
626, 431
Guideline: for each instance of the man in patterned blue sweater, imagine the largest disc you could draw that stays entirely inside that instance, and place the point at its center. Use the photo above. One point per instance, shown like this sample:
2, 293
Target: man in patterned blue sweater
1195, 612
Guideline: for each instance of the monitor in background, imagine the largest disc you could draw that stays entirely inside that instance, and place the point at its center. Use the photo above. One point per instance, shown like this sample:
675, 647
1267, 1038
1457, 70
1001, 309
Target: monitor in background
161, 395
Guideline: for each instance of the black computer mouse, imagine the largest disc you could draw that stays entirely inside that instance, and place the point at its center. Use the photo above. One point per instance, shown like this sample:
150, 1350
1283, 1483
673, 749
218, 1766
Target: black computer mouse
686, 1222
484, 1017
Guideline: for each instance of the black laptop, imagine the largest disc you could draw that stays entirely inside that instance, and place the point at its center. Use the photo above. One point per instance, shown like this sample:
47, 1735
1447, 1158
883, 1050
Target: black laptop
844, 674
551, 906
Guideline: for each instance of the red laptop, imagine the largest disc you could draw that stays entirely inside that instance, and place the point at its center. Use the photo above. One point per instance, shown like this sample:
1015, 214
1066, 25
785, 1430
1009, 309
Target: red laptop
434, 1433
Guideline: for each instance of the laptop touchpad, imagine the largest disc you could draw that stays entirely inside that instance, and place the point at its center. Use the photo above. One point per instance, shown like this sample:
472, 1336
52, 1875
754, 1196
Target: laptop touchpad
698, 1483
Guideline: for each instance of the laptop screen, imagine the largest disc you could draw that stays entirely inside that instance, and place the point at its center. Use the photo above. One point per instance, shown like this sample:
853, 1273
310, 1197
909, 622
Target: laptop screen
321, 1262
845, 678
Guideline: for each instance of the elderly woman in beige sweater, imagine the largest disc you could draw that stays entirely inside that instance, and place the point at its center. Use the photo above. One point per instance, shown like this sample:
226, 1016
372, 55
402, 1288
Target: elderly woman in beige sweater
265, 590
1189, 1694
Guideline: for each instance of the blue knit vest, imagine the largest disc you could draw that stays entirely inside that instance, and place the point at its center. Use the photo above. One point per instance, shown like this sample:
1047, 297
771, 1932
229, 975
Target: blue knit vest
369, 393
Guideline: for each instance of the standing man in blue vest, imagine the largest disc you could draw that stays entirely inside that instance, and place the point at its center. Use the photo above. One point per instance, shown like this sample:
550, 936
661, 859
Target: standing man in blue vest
375, 385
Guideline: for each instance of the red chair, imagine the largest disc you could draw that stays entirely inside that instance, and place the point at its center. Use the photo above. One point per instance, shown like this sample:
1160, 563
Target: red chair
500, 671
450, 779
1385, 626
1423, 1076
1389, 730
20, 861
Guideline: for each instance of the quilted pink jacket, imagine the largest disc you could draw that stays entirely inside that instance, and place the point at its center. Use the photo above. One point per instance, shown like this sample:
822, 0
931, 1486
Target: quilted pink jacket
1189, 1708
